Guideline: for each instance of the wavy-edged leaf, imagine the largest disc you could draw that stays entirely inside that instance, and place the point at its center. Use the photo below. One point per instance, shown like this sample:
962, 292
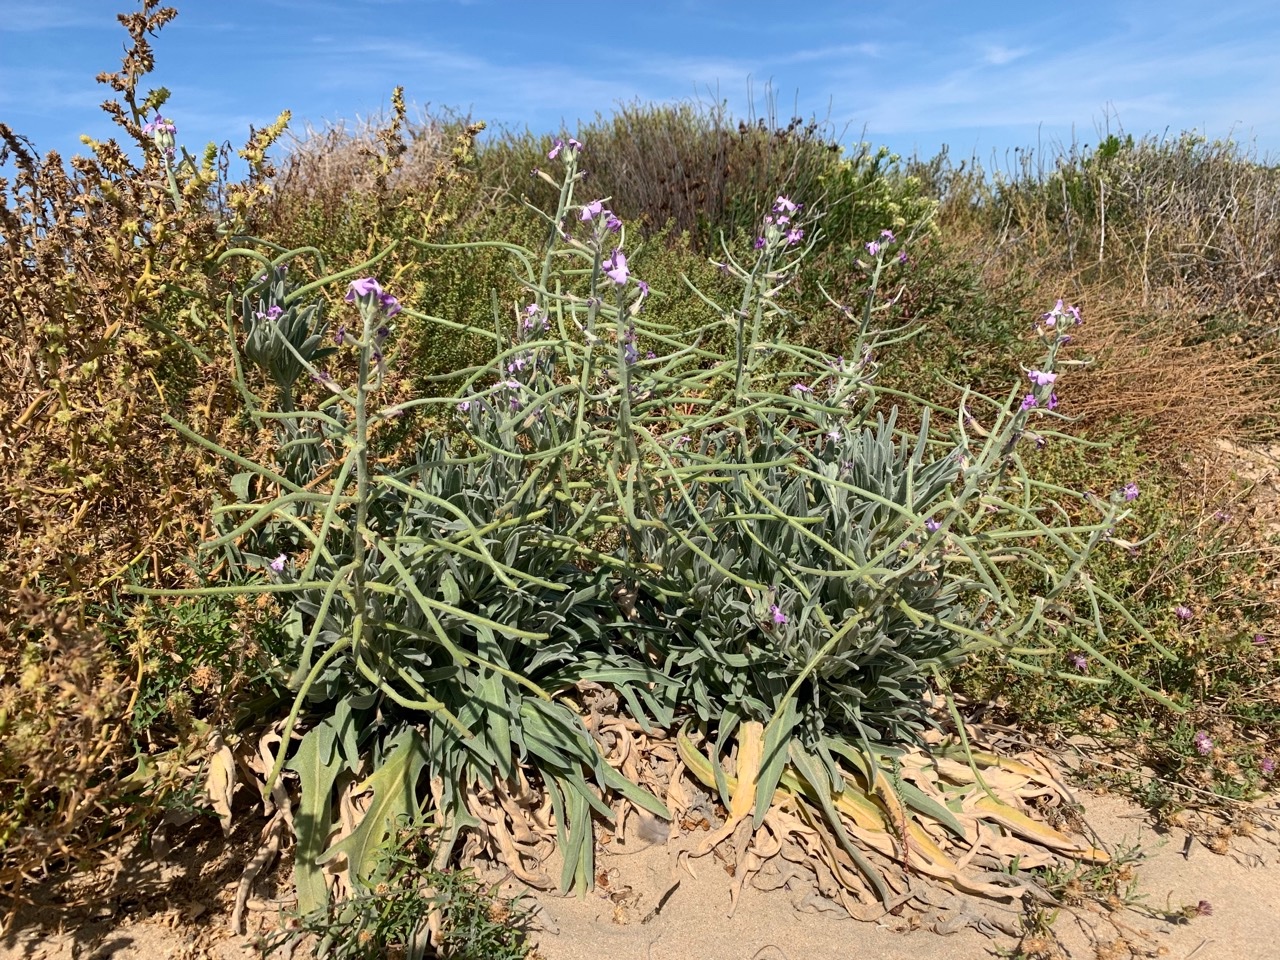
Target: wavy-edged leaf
395, 802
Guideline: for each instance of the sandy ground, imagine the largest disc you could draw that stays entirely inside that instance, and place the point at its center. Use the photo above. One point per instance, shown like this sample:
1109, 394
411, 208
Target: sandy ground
1242, 887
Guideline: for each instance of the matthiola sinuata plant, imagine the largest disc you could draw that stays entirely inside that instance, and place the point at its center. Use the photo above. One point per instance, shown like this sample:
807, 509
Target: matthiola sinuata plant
742, 546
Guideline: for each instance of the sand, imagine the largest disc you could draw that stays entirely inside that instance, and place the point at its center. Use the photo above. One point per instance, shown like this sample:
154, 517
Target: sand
1242, 887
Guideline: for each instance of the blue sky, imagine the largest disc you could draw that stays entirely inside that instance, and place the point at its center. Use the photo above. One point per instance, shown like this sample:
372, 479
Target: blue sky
981, 77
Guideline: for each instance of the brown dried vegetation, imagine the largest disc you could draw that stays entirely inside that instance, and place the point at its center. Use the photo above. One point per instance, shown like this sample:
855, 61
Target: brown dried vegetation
106, 268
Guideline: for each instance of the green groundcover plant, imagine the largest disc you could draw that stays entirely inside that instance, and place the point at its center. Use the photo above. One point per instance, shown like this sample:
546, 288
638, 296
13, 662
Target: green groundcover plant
724, 538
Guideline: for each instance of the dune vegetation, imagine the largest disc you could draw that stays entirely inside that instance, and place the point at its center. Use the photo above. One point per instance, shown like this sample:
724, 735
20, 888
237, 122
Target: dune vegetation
442, 496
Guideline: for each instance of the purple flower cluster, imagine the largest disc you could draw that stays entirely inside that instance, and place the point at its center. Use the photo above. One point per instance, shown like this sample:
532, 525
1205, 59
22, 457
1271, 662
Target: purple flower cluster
164, 133
596, 208
1203, 743
778, 225
574, 148
535, 320
368, 290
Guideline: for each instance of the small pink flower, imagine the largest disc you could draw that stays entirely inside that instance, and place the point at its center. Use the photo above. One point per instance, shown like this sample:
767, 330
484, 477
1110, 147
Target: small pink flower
278, 563
1183, 612
779, 617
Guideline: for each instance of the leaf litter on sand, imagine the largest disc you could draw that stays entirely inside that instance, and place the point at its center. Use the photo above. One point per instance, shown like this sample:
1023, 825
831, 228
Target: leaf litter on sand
937, 836
935, 839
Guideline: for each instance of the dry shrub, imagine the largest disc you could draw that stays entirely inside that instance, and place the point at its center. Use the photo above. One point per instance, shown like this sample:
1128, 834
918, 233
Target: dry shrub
110, 316
686, 167
348, 190
1185, 222
1150, 368
62, 742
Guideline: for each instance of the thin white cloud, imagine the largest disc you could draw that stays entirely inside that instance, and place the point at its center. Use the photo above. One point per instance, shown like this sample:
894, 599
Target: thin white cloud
30, 16
997, 55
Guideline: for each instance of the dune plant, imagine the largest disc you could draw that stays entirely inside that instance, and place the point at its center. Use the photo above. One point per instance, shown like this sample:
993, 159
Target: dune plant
742, 544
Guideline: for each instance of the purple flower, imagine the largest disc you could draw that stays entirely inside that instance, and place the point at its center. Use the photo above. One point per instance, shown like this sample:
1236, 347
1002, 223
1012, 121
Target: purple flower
834, 434
1183, 612
629, 353
611, 221
1052, 402
1040, 378
341, 336
903, 258
933, 526
873, 247
616, 267
1079, 662
759, 244
1130, 491
888, 235
779, 618
159, 125
1075, 315
574, 144
517, 363
382, 332
1204, 908
464, 406
644, 292
278, 563
1267, 766
555, 150
362, 288
1028, 402
389, 304
784, 205
681, 440
591, 210
795, 235
1259, 640
163, 132
801, 388
1203, 743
